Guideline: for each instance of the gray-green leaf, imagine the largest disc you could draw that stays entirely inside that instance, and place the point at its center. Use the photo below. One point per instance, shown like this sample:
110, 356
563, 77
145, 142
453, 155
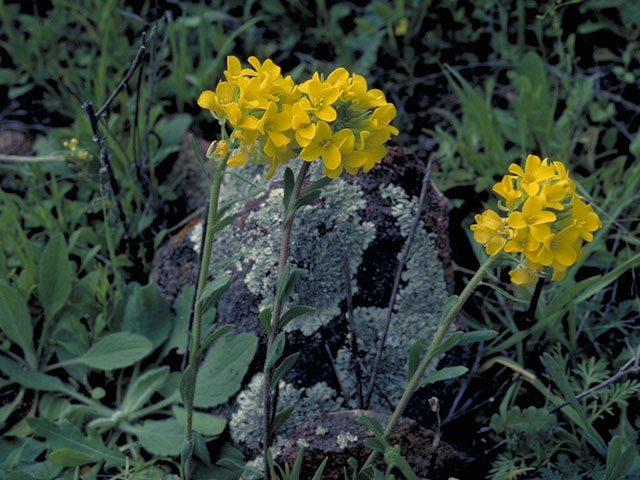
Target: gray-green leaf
15, 320
54, 276
446, 373
203, 423
223, 369
116, 350
142, 388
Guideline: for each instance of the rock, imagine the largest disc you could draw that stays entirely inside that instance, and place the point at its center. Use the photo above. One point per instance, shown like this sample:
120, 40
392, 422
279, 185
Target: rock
369, 216
338, 436
191, 182
13, 142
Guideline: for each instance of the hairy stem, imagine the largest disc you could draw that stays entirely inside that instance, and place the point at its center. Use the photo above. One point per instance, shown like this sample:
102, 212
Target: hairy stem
277, 311
445, 323
205, 261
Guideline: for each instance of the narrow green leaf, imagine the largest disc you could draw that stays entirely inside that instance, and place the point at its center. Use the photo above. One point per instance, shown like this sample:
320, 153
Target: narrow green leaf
281, 284
213, 291
291, 283
67, 436
185, 384
220, 224
281, 417
116, 350
142, 389
318, 184
446, 373
15, 320
306, 199
448, 305
216, 334
294, 312
561, 380
276, 351
288, 187
375, 426
477, 336
414, 357
71, 458
196, 153
283, 368
265, 320
373, 444
620, 458
54, 276
447, 344
297, 465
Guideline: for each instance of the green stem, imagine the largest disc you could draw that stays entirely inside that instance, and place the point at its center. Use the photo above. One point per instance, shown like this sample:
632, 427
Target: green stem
26, 159
194, 351
277, 311
442, 330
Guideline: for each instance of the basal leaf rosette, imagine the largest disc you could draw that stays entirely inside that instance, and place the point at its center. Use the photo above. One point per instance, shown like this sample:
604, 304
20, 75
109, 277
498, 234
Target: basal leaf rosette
545, 224
273, 120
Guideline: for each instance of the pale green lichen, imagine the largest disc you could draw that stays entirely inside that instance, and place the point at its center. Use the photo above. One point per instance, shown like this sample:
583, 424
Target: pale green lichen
416, 313
246, 421
320, 234
345, 438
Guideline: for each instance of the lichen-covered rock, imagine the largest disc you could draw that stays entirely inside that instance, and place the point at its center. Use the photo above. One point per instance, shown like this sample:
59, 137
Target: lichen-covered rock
338, 436
369, 217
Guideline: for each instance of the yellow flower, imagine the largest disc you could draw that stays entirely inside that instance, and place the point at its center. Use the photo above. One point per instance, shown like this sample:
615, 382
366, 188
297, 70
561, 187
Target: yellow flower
521, 241
238, 158
278, 155
505, 189
217, 149
491, 231
235, 71
321, 97
535, 171
357, 91
532, 216
381, 118
273, 124
329, 146
585, 220
370, 151
268, 68
526, 274
559, 248
237, 118
301, 122
339, 78
217, 101
553, 193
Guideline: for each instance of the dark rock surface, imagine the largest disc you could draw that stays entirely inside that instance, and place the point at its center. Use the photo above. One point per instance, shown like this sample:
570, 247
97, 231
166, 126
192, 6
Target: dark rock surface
338, 436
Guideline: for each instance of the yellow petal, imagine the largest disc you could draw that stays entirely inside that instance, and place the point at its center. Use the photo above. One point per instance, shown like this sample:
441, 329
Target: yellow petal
208, 100
311, 152
331, 157
326, 113
279, 139
495, 245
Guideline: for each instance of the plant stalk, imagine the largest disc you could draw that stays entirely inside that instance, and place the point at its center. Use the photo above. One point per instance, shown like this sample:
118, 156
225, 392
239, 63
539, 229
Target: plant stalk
445, 323
277, 311
205, 261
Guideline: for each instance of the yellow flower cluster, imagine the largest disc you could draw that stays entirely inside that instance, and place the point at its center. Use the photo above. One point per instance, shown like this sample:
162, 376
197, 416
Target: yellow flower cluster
546, 220
72, 146
275, 120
